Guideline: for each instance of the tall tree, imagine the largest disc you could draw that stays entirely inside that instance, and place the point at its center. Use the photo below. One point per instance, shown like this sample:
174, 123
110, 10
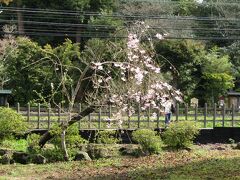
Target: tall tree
135, 72
180, 63
217, 77
60, 19
234, 54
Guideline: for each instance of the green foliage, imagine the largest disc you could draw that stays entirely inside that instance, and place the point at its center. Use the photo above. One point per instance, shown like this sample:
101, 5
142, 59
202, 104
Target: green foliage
28, 69
73, 139
180, 63
107, 137
180, 134
34, 76
217, 75
11, 123
150, 142
234, 53
33, 140
53, 154
67, 5
215, 62
14, 144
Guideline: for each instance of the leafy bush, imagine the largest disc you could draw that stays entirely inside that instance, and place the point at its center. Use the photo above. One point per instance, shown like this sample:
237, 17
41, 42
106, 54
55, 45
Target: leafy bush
33, 140
73, 138
11, 123
180, 134
107, 137
14, 144
73, 141
149, 140
53, 154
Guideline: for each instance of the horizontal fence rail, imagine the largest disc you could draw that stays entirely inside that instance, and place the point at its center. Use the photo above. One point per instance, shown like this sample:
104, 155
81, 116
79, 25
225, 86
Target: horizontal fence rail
44, 117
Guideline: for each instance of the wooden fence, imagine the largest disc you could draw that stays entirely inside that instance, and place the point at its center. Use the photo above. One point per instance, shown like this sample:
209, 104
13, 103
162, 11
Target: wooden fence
40, 117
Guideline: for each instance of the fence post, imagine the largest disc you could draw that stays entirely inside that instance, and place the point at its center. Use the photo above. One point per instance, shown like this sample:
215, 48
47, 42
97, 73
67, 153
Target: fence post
59, 112
89, 121
177, 112
149, 112
99, 118
195, 112
110, 111
233, 111
18, 108
186, 112
49, 110
38, 116
129, 118
7, 105
158, 115
214, 114
28, 112
223, 114
79, 111
205, 115
139, 114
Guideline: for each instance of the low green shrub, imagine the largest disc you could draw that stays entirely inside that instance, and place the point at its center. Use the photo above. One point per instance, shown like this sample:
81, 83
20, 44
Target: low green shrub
73, 139
148, 139
33, 140
52, 154
11, 123
107, 137
15, 144
180, 134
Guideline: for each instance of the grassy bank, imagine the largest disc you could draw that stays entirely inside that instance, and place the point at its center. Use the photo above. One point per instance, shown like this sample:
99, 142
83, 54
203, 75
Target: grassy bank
215, 161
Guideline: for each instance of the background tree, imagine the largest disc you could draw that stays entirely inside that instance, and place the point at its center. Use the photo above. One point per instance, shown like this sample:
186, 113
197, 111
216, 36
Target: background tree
234, 57
217, 77
25, 80
180, 63
70, 19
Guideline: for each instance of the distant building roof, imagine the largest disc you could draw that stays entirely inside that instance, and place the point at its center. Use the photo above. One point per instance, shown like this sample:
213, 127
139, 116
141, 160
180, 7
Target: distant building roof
233, 93
5, 91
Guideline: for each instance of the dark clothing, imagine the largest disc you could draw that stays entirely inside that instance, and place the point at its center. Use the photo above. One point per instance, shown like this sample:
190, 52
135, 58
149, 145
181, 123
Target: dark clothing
167, 118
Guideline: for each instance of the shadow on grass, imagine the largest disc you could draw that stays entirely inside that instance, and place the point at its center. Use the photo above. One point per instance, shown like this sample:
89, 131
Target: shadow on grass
207, 169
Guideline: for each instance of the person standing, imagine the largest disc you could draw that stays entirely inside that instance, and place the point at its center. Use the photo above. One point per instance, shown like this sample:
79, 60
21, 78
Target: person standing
167, 110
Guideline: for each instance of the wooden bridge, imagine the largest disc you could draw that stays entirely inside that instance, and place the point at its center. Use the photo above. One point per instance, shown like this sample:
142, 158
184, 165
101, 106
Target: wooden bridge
43, 117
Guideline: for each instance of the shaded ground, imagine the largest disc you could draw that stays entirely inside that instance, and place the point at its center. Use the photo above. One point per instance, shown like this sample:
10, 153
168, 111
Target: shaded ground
215, 161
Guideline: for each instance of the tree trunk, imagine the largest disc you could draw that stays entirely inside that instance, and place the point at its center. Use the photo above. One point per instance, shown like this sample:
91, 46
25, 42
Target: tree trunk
64, 147
47, 135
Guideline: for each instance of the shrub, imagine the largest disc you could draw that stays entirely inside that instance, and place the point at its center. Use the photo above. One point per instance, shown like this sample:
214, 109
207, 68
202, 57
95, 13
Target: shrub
148, 139
107, 137
53, 154
73, 141
33, 140
11, 123
15, 144
180, 134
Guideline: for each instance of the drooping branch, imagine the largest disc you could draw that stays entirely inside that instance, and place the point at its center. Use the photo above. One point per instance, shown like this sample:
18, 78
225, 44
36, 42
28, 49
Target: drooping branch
47, 135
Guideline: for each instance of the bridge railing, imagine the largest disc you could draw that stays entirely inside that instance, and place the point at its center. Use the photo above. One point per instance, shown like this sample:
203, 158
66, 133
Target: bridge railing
43, 117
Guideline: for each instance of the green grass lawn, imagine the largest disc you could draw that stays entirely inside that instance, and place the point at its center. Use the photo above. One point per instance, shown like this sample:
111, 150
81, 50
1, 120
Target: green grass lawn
212, 161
